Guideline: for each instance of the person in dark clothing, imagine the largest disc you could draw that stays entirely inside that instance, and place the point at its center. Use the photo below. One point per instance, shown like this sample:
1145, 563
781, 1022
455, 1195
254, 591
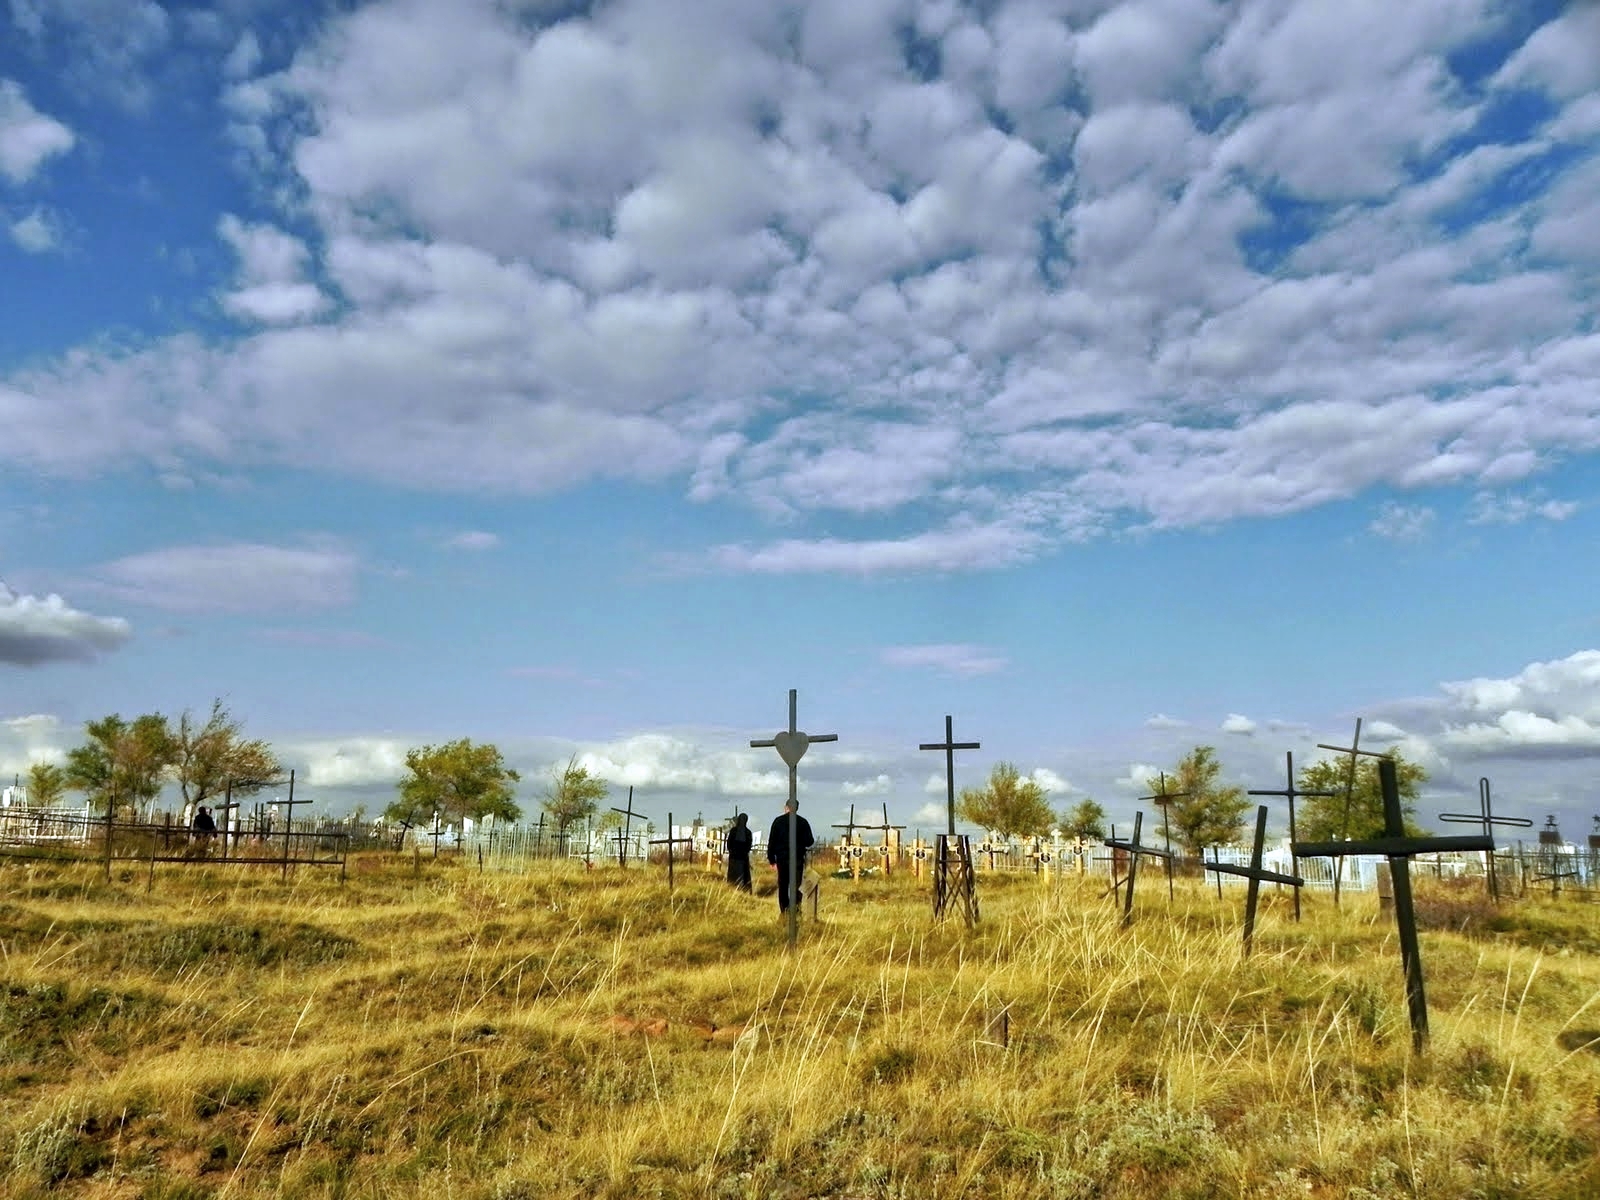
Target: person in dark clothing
205, 828
737, 844
778, 844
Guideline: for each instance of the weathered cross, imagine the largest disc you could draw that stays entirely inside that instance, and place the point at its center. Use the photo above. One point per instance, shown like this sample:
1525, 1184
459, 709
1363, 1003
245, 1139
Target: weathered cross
884, 847
669, 842
1354, 750
949, 746
1255, 873
1486, 820
1400, 849
624, 834
1134, 848
288, 823
791, 745
227, 808
846, 858
1163, 800
1292, 793
1550, 844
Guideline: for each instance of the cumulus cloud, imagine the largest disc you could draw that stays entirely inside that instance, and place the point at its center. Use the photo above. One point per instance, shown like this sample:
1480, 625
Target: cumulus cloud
1138, 777
473, 539
272, 287
351, 762
25, 740
28, 138
959, 658
1052, 783
37, 233
1507, 508
1162, 721
38, 630
1547, 709
1237, 724
1402, 522
879, 785
236, 577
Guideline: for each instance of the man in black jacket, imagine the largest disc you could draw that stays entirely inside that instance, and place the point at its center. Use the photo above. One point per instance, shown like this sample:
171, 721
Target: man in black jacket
790, 866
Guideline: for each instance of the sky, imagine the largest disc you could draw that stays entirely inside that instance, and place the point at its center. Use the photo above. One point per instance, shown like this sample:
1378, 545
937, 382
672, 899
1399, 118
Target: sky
1116, 377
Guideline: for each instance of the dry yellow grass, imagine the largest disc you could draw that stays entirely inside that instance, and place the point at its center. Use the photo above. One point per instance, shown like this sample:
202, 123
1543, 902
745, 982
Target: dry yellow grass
564, 1033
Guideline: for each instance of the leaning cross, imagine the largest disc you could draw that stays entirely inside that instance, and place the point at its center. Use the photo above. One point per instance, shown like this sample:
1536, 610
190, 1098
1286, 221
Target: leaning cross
1354, 750
1400, 849
1163, 800
1486, 819
791, 745
1255, 873
949, 746
669, 842
1134, 849
1291, 793
627, 829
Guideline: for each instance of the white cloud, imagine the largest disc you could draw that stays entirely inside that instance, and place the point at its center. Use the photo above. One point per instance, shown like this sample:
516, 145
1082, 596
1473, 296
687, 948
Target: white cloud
1402, 522
37, 233
1560, 56
27, 137
37, 737
107, 45
680, 764
1237, 724
1546, 708
1507, 508
958, 658
37, 630
351, 762
237, 577
931, 813
272, 288
473, 539
879, 785
1138, 777
1052, 783
964, 549
1162, 721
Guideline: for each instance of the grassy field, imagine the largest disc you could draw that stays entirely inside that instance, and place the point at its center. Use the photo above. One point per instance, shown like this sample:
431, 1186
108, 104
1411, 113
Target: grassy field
568, 1034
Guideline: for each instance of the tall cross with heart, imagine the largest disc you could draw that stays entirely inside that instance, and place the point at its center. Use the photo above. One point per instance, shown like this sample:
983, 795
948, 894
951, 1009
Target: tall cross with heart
791, 745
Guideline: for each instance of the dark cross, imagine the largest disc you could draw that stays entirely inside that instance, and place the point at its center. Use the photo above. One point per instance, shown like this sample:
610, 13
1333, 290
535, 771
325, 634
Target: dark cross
1594, 850
791, 746
949, 746
1292, 793
954, 875
1487, 821
288, 823
1163, 799
1550, 843
1354, 750
538, 836
669, 841
437, 833
1134, 849
627, 827
1255, 873
227, 808
1399, 849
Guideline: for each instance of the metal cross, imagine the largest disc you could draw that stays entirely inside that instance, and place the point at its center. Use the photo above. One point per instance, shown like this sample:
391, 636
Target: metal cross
1486, 820
669, 842
1550, 843
1354, 750
1163, 799
1134, 849
791, 745
627, 828
1399, 849
949, 746
1292, 793
288, 823
1255, 873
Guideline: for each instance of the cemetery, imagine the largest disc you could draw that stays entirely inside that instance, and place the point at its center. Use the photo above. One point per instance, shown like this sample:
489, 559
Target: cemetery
503, 1010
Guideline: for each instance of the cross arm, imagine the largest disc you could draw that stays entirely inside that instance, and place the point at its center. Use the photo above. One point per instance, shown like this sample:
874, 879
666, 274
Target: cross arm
1401, 847
1138, 848
1255, 873
1479, 819
1292, 793
763, 744
950, 746
819, 737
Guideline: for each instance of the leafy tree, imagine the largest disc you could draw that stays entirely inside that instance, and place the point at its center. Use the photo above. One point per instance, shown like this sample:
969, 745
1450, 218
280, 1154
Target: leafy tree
456, 780
573, 794
124, 762
47, 784
1008, 804
1085, 819
211, 756
1210, 814
1321, 818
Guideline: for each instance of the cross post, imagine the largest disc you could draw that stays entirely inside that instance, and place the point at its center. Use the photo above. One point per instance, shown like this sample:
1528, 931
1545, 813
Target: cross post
1354, 750
949, 746
1163, 799
1400, 849
1134, 848
288, 824
1255, 873
669, 841
627, 828
1292, 793
1486, 820
791, 745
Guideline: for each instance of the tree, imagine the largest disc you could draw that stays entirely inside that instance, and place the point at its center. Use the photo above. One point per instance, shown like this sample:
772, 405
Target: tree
208, 758
456, 780
1209, 815
1085, 819
1008, 805
1322, 818
573, 794
123, 763
47, 783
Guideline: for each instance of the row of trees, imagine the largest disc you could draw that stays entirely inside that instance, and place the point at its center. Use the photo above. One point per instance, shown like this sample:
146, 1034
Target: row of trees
467, 780
123, 765
1204, 812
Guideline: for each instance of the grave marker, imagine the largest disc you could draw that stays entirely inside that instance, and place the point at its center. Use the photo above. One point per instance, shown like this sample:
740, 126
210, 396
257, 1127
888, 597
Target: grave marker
1163, 800
885, 854
1354, 751
1133, 849
791, 745
848, 859
1292, 793
1486, 820
1399, 849
1255, 873
669, 842
953, 872
624, 836
1548, 865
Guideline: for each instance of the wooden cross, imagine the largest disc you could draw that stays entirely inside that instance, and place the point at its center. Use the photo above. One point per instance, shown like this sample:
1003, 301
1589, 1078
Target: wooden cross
627, 828
954, 876
845, 857
288, 823
669, 841
1134, 849
883, 848
919, 855
949, 746
1487, 821
1550, 843
1355, 751
227, 808
791, 745
1255, 873
1163, 800
1292, 793
1400, 849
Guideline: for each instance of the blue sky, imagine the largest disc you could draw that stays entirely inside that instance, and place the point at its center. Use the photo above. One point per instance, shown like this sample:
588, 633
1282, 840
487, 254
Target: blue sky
1118, 377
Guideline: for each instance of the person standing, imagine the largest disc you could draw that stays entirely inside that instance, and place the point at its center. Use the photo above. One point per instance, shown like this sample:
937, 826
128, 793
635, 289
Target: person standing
737, 845
205, 828
778, 852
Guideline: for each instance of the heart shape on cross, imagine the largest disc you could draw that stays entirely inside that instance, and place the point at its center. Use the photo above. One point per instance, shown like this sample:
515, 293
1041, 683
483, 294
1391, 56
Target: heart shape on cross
791, 746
